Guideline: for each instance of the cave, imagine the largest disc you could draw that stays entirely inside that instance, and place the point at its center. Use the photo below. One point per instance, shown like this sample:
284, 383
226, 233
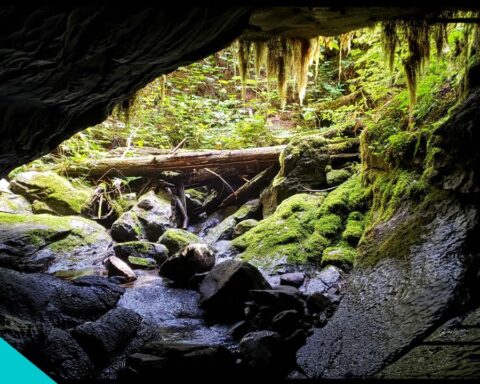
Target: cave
392, 291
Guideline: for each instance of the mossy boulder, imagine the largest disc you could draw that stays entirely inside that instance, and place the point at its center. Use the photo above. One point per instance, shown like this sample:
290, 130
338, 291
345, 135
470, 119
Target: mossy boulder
244, 226
342, 256
52, 190
147, 220
337, 176
302, 165
11, 203
176, 239
224, 230
141, 262
48, 243
305, 225
142, 249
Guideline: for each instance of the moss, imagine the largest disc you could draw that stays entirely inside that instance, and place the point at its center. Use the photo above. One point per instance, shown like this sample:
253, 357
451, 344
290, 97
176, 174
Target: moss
341, 255
337, 176
354, 228
141, 262
175, 239
329, 225
55, 191
244, 226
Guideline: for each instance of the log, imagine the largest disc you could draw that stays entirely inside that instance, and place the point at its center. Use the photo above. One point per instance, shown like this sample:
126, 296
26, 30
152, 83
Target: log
251, 188
154, 165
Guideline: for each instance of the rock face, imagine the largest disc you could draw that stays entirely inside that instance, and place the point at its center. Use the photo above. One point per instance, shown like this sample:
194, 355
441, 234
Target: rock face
50, 192
11, 203
176, 239
388, 306
51, 243
302, 164
147, 220
226, 288
194, 258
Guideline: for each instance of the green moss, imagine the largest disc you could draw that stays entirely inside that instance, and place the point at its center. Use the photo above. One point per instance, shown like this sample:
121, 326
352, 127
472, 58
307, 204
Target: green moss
354, 228
175, 239
329, 225
337, 176
341, 255
141, 262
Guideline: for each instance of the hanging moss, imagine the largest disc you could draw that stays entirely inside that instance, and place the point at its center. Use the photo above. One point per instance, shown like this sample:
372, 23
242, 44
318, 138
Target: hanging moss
244, 50
389, 41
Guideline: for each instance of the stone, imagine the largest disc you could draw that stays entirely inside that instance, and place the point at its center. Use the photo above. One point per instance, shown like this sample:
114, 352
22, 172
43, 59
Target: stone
143, 249
106, 335
286, 322
47, 243
117, 267
239, 329
147, 220
226, 288
141, 262
337, 176
263, 353
302, 165
244, 226
56, 192
180, 362
194, 258
320, 301
225, 229
294, 279
175, 239
280, 300
11, 203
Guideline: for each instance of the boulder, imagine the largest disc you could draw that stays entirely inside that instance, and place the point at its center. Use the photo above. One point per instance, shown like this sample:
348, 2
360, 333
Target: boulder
51, 243
143, 249
11, 203
337, 176
117, 267
147, 220
106, 335
224, 230
302, 165
286, 322
294, 279
226, 288
174, 362
176, 239
193, 259
279, 299
263, 353
244, 226
54, 191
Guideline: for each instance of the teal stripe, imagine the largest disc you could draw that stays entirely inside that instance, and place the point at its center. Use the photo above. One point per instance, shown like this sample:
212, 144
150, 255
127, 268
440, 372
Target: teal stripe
17, 369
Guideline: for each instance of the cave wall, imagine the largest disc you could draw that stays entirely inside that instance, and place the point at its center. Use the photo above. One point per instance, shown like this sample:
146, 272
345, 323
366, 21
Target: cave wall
64, 69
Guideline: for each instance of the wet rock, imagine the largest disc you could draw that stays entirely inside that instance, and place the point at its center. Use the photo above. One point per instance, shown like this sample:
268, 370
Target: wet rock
303, 164
141, 262
226, 288
56, 192
144, 249
46, 299
322, 301
239, 329
263, 353
286, 322
390, 303
102, 337
280, 299
176, 239
294, 279
147, 220
179, 362
224, 230
117, 267
11, 203
61, 357
51, 243
194, 258
244, 226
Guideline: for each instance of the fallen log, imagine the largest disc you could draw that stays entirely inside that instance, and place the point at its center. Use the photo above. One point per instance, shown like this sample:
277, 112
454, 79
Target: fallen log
154, 165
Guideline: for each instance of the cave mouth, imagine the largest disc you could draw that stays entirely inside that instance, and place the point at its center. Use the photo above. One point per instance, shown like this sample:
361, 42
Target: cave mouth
292, 206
